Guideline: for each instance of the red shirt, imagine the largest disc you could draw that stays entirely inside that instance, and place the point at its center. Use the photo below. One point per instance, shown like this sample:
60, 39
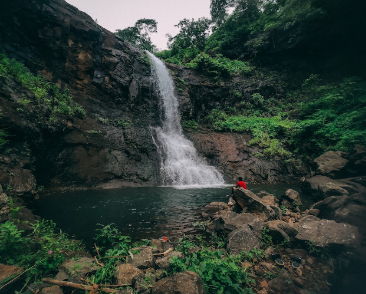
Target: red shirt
241, 184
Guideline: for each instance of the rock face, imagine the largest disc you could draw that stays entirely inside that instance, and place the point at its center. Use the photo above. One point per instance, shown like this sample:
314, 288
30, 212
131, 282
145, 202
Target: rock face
231, 153
181, 283
110, 146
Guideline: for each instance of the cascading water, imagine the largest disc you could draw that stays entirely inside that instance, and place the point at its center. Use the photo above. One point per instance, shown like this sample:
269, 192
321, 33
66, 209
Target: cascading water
180, 163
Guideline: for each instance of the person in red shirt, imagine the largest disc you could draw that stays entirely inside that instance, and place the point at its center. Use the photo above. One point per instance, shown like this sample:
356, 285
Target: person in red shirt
241, 183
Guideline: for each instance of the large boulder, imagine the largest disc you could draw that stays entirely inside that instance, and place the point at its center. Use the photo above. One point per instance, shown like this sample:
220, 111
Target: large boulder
327, 233
331, 163
251, 203
180, 283
347, 209
243, 239
230, 221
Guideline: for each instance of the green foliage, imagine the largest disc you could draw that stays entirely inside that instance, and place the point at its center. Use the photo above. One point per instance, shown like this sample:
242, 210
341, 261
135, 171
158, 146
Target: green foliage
220, 273
253, 254
139, 34
109, 236
44, 248
334, 118
218, 66
190, 124
266, 240
3, 140
114, 247
46, 94
11, 242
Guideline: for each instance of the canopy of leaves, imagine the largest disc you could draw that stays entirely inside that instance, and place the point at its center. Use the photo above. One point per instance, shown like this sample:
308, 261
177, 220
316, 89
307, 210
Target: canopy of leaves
139, 35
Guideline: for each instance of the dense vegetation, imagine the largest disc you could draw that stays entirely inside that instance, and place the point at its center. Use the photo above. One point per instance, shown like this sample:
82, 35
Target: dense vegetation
320, 109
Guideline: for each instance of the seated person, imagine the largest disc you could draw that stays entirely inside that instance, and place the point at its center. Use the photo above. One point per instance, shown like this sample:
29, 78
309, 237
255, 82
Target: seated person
241, 183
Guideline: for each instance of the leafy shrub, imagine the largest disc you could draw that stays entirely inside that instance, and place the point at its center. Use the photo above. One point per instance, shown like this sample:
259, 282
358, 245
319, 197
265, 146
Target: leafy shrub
220, 273
218, 66
50, 245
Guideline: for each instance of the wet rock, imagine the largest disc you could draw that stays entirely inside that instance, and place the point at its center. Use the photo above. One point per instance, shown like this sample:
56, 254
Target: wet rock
158, 245
144, 259
331, 162
327, 233
293, 196
52, 290
180, 283
7, 271
251, 203
280, 230
242, 239
230, 221
126, 272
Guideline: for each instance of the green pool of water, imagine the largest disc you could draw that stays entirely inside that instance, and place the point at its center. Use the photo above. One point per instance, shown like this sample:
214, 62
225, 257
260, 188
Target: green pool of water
138, 212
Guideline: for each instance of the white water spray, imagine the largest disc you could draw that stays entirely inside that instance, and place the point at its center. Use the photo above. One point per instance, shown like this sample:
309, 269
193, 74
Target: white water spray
180, 163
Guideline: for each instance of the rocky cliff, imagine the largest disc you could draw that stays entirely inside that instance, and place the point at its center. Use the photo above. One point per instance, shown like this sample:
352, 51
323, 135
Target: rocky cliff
110, 145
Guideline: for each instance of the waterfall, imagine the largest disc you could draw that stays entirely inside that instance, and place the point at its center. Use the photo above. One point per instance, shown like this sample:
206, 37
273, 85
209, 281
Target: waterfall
180, 164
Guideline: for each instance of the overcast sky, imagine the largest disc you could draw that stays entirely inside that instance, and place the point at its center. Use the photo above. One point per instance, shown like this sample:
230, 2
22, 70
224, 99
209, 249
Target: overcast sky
120, 14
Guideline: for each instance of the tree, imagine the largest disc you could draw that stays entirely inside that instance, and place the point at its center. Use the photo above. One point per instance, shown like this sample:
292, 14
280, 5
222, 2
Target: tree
192, 34
139, 35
